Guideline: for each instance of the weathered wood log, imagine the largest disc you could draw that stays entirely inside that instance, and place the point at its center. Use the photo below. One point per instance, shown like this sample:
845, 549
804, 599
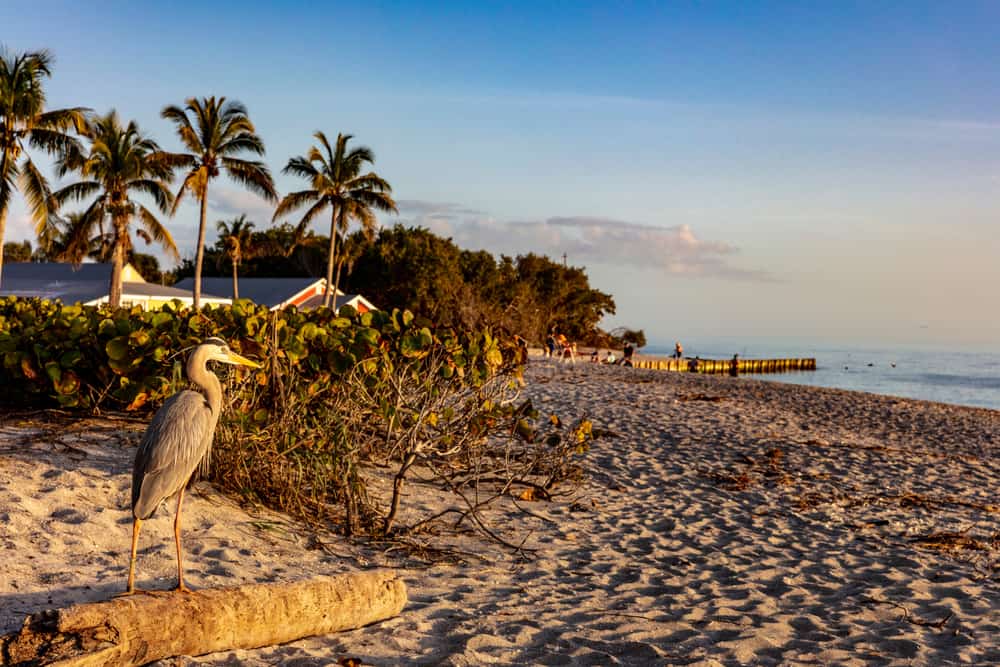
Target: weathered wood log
141, 628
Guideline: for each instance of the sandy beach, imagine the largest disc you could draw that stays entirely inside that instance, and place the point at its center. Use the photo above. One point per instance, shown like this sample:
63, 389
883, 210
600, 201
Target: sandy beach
724, 521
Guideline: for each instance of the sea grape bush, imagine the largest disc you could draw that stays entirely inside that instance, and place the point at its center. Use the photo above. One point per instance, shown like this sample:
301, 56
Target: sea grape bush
332, 389
131, 359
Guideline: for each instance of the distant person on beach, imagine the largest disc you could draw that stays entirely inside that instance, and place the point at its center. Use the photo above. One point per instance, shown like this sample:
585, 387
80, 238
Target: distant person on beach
678, 350
734, 366
610, 359
693, 365
627, 353
595, 356
550, 345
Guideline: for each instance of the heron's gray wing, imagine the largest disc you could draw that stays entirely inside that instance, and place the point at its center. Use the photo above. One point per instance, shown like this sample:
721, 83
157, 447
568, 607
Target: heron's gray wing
174, 443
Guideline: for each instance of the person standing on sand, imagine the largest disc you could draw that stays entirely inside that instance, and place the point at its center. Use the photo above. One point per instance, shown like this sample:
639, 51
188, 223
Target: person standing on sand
734, 366
678, 350
627, 354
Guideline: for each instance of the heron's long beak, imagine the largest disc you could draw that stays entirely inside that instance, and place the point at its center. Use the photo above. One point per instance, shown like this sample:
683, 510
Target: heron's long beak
233, 358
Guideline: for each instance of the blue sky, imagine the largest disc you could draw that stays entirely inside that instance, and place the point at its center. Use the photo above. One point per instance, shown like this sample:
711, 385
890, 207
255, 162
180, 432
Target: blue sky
826, 171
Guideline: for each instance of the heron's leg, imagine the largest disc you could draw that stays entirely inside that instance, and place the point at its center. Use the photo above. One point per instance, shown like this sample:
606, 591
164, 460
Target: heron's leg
136, 525
177, 538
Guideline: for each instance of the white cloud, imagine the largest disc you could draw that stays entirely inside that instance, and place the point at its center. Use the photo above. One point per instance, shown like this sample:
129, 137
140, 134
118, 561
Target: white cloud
585, 240
232, 202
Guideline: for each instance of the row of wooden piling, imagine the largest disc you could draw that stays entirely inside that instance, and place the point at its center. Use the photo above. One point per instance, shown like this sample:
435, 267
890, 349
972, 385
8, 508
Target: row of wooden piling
697, 365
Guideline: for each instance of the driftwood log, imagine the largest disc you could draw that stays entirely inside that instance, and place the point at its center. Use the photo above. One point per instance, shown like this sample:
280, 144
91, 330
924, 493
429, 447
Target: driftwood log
141, 628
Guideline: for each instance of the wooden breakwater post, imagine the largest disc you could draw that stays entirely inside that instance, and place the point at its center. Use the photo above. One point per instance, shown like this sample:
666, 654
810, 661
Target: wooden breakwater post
722, 366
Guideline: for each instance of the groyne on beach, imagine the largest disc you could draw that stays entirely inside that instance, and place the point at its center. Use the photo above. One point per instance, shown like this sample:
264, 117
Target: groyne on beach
698, 365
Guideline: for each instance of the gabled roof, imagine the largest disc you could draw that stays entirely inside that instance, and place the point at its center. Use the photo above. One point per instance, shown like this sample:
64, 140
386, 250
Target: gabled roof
87, 283
341, 299
54, 272
270, 292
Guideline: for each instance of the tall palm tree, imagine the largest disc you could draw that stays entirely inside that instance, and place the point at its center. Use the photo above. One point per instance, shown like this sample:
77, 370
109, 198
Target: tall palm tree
336, 181
120, 163
215, 131
238, 239
23, 120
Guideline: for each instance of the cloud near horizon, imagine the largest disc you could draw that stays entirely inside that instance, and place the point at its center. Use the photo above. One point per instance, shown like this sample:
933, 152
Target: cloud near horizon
232, 202
585, 240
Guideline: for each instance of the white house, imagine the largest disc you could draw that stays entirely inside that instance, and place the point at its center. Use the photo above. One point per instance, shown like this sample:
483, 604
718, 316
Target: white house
88, 284
277, 293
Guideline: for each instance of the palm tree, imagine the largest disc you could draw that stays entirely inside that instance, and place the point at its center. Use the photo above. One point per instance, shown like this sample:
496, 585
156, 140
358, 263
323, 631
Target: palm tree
337, 182
120, 163
61, 241
23, 120
238, 239
214, 133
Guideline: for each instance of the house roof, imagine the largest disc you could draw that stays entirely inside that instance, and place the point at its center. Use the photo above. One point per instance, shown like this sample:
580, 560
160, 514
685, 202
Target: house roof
341, 300
270, 292
83, 284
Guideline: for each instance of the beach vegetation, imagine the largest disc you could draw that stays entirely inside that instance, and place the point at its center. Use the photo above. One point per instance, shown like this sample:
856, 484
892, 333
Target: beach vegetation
26, 123
337, 181
339, 398
215, 132
16, 252
119, 165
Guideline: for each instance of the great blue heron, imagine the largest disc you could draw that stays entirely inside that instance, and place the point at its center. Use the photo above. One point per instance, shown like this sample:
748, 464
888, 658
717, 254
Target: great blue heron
176, 441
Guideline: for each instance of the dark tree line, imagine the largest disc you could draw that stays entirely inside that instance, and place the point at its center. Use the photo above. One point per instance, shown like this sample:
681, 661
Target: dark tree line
413, 268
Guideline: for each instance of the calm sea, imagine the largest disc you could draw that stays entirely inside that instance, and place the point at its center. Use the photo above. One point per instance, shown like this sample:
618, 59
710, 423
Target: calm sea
961, 377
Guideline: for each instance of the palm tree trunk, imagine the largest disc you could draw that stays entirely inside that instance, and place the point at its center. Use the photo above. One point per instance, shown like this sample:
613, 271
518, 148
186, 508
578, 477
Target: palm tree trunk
330, 259
117, 265
200, 253
236, 285
336, 281
4, 157
3, 231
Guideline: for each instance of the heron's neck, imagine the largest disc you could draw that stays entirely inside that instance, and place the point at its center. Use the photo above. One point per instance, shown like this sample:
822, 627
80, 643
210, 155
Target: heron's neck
206, 380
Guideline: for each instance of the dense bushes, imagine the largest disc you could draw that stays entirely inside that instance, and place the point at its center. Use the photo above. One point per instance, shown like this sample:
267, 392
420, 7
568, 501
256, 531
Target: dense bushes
334, 392
80, 356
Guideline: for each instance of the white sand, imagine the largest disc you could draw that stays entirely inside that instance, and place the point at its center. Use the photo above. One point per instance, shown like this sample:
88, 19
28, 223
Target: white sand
692, 542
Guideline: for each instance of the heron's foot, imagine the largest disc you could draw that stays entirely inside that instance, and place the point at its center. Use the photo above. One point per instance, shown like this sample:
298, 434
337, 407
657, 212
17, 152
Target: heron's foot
134, 591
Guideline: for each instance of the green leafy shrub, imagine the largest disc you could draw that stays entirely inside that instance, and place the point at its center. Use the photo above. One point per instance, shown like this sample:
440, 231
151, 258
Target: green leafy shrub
332, 388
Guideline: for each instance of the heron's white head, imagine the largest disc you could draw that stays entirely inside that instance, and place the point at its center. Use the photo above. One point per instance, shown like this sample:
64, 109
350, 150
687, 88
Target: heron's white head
218, 350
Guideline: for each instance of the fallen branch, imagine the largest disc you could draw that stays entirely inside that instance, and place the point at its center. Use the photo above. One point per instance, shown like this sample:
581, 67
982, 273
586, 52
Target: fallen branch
139, 629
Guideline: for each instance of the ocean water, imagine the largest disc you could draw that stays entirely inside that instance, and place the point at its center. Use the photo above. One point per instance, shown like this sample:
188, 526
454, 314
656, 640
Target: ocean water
957, 376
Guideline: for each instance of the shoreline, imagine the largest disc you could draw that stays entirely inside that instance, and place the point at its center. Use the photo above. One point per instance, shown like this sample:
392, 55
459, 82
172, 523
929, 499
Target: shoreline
723, 521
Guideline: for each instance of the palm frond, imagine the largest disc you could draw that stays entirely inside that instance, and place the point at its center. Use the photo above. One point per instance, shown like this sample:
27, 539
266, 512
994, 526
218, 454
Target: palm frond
376, 200
37, 193
313, 211
74, 118
75, 192
53, 141
244, 141
254, 176
156, 189
294, 201
195, 182
189, 137
158, 232
300, 166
